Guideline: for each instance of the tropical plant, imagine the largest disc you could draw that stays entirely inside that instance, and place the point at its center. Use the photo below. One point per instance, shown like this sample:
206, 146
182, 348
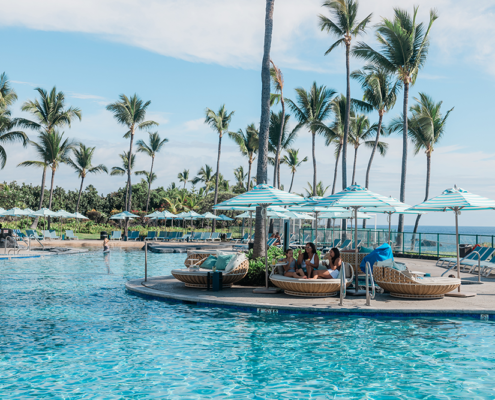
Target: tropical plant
380, 92
291, 159
311, 109
155, 144
130, 112
124, 170
205, 175
360, 132
82, 164
184, 177
320, 190
278, 83
8, 96
345, 26
49, 113
8, 135
149, 178
239, 176
426, 128
403, 52
248, 144
219, 122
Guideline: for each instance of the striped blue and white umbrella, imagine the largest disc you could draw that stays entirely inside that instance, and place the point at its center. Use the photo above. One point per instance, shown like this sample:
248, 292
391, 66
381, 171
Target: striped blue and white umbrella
223, 218
456, 200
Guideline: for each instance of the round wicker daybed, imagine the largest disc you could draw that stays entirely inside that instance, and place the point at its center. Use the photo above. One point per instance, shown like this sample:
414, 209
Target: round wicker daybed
399, 284
310, 287
196, 277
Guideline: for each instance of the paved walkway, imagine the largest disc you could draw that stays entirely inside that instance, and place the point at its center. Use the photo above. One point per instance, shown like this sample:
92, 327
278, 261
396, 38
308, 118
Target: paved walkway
242, 297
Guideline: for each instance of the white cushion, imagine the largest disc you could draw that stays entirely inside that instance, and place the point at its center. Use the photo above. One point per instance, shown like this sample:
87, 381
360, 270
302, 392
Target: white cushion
235, 262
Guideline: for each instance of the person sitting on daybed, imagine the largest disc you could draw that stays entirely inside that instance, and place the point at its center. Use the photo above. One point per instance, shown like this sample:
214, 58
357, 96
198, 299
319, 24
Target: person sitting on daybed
291, 270
333, 266
309, 260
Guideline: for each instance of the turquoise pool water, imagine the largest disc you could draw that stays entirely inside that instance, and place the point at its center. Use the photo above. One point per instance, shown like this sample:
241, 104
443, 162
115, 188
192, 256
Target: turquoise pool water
68, 329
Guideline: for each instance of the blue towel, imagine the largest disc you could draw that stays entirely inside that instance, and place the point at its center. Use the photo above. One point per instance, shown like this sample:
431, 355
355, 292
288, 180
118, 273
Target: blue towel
382, 253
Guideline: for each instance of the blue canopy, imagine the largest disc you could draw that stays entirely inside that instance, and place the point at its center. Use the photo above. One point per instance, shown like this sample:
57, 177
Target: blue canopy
382, 253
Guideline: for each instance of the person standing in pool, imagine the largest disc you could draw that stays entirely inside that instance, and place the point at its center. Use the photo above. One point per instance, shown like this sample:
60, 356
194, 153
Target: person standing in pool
309, 260
106, 246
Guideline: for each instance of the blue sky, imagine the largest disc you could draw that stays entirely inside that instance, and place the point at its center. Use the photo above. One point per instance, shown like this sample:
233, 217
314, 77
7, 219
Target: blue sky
186, 56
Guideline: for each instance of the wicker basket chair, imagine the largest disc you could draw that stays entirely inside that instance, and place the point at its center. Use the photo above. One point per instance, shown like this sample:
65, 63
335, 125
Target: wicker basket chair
310, 287
196, 277
406, 285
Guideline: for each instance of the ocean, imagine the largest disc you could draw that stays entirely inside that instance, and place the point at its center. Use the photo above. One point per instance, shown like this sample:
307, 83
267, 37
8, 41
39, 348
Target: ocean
465, 230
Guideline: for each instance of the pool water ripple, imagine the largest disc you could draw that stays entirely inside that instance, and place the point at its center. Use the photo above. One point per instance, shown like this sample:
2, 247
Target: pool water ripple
69, 330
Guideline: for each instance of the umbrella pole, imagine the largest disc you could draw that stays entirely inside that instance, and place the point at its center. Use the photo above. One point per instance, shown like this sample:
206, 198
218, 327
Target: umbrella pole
265, 209
389, 226
355, 246
250, 226
456, 211
316, 229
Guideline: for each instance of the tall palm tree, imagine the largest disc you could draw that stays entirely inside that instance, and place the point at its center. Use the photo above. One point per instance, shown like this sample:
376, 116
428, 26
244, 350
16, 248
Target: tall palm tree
278, 82
130, 112
205, 175
291, 159
124, 170
53, 150
155, 144
149, 177
320, 190
220, 123
239, 176
8, 96
360, 132
82, 164
426, 128
8, 135
380, 92
261, 173
403, 52
311, 109
345, 26
184, 177
248, 143
49, 112
279, 138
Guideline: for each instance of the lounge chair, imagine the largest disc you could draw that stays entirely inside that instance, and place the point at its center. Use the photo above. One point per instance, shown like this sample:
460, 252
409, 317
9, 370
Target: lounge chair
69, 234
133, 235
214, 236
228, 236
46, 234
187, 236
358, 244
487, 267
310, 287
405, 284
244, 239
344, 245
471, 265
151, 235
196, 277
170, 236
205, 236
162, 235
116, 235
447, 262
53, 234
33, 234
18, 234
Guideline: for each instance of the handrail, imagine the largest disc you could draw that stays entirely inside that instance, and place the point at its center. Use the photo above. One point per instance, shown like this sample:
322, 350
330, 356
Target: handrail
369, 279
343, 285
34, 237
461, 260
479, 265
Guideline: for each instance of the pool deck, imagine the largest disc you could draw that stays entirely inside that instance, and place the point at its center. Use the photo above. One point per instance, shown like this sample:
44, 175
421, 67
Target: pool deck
482, 306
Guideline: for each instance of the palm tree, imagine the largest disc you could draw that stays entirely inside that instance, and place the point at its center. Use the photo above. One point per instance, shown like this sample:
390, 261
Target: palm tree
312, 108
320, 190
426, 128
404, 48
49, 113
291, 159
220, 123
82, 164
8, 135
360, 132
155, 144
205, 175
124, 170
184, 177
53, 150
248, 143
239, 176
8, 95
279, 138
380, 92
149, 177
345, 26
278, 82
130, 112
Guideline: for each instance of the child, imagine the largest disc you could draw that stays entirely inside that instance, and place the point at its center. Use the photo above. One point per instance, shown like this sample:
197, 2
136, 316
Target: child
290, 269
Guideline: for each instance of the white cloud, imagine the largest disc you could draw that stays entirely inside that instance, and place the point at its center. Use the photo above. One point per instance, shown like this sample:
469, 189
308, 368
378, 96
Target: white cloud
194, 125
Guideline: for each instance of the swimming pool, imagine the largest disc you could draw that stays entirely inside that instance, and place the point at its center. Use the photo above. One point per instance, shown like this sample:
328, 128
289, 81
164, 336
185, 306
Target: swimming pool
68, 329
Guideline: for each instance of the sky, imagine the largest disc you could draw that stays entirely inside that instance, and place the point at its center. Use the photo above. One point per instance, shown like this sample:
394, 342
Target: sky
187, 56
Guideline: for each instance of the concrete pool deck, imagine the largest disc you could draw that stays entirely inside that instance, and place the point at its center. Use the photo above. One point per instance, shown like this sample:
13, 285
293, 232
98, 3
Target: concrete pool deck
482, 306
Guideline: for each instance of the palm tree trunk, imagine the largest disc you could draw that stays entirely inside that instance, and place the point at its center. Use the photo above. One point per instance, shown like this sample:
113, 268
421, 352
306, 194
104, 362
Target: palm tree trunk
261, 173
380, 119
217, 177
291, 181
79, 196
400, 228
149, 184
129, 184
250, 162
427, 191
347, 117
51, 195
34, 225
314, 162
354, 166
277, 154
126, 194
336, 168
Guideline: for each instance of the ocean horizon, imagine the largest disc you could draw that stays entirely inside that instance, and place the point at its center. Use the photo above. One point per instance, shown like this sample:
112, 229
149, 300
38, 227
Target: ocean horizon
465, 230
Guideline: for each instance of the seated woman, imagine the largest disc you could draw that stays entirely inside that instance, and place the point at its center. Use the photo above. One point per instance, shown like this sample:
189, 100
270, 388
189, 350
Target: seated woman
309, 260
333, 268
279, 239
291, 269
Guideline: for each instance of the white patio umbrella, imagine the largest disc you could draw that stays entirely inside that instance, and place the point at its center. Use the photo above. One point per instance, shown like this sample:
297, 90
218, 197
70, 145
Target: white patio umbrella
456, 199
124, 215
190, 215
263, 196
44, 212
355, 197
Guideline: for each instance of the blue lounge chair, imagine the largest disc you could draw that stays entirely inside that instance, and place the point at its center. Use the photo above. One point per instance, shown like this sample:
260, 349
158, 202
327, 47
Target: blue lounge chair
116, 235
162, 235
205, 236
133, 235
484, 252
187, 236
46, 234
344, 245
69, 234
214, 236
244, 239
170, 236
151, 235
33, 234
196, 236
447, 262
335, 243
487, 267
53, 234
228, 236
